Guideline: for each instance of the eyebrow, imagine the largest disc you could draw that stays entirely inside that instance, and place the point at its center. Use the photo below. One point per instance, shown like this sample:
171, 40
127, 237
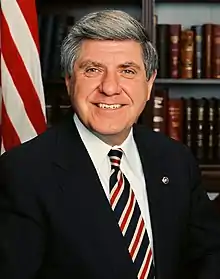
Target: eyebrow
98, 64
129, 64
90, 63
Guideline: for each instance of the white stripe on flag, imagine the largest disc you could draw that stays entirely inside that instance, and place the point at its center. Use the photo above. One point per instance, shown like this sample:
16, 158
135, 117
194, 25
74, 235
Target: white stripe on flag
25, 45
15, 107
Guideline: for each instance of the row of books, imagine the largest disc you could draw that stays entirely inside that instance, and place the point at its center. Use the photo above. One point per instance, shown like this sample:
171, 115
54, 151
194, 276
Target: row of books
52, 30
183, 53
193, 121
188, 52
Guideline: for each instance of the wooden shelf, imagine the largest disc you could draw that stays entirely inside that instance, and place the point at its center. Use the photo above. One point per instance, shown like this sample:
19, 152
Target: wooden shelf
203, 81
67, 3
209, 167
211, 177
188, 1
162, 81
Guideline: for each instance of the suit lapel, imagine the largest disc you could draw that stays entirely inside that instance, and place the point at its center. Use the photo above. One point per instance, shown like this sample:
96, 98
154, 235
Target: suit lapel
83, 192
157, 192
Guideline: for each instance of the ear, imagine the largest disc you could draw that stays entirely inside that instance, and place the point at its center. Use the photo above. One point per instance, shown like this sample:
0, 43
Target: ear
68, 84
150, 83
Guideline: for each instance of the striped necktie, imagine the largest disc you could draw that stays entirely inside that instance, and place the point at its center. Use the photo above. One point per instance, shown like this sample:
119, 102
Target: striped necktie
130, 221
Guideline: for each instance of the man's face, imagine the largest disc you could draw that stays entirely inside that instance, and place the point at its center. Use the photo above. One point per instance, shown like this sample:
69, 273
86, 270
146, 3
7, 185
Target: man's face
108, 87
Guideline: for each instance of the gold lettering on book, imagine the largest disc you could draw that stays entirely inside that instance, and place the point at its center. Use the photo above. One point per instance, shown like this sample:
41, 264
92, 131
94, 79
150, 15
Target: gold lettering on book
198, 39
174, 39
175, 60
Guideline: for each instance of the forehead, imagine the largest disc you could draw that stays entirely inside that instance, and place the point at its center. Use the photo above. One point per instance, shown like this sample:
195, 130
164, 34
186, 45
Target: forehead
109, 51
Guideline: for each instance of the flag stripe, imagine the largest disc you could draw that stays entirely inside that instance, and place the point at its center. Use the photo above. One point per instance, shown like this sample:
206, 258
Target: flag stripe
9, 136
25, 44
18, 115
18, 72
31, 18
23, 110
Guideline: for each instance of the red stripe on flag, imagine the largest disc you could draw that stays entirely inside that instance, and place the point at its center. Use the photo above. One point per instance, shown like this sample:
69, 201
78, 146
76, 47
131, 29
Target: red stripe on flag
28, 9
9, 136
22, 80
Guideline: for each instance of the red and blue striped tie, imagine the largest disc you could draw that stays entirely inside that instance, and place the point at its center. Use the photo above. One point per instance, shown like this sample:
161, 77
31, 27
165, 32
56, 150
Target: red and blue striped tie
130, 221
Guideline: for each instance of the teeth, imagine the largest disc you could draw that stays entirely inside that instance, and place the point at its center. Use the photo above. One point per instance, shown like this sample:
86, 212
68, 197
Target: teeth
105, 106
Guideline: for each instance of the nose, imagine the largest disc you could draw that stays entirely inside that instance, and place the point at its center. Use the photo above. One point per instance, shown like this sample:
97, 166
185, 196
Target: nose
110, 84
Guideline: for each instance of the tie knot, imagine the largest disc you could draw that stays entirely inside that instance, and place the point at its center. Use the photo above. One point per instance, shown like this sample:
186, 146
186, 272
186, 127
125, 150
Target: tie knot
115, 156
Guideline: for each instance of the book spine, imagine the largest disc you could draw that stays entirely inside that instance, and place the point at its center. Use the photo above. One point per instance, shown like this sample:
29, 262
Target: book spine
189, 122
198, 53
201, 131
207, 50
187, 51
216, 51
175, 119
162, 33
211, 129
174, 47
160, 111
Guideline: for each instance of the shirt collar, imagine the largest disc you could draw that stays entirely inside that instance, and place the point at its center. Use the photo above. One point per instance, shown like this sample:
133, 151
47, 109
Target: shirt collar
98, 150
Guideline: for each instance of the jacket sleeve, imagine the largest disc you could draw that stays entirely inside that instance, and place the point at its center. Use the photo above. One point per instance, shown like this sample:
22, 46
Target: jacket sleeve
22, 233
204, 230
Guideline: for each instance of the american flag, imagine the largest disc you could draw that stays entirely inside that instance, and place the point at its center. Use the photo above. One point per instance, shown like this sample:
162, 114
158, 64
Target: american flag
23, 115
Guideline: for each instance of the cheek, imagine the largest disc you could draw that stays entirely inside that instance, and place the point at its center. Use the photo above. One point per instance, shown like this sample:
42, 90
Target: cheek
144, 91
138, 93
84, 88
80, 92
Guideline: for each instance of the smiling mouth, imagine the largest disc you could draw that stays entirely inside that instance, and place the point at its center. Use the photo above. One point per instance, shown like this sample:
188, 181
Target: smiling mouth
106, 106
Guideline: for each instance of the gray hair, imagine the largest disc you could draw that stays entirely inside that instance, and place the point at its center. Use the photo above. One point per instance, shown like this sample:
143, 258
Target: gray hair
107, 25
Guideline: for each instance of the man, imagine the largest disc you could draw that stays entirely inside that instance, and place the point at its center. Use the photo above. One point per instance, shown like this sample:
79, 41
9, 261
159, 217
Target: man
97, 196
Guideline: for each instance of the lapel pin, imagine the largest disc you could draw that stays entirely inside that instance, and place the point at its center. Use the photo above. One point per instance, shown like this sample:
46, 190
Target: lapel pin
165, 180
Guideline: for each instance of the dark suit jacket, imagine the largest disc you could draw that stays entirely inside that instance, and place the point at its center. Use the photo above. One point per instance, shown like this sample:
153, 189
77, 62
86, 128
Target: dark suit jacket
56, 222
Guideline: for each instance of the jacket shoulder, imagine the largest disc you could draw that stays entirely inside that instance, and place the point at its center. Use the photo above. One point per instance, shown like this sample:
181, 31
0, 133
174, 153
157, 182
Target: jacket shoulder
162, 145
157, 138
35, 151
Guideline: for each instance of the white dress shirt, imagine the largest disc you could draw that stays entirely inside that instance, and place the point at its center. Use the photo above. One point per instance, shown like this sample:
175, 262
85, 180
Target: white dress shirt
130, 165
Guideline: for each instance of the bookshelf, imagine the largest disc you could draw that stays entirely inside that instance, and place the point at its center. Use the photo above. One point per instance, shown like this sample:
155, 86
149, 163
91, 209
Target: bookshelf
188, 81
211, 177
188, 1
187, 14
168, 11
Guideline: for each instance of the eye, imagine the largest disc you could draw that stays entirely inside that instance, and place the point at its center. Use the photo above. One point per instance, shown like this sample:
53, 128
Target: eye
128, 73
92, 71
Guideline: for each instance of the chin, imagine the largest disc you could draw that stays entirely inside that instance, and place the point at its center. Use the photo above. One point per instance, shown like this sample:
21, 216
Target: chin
102, 130
120, 132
